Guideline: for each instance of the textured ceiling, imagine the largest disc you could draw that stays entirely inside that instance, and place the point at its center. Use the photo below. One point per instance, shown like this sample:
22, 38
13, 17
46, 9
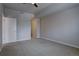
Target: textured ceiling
56, 7
28, 7
43, 9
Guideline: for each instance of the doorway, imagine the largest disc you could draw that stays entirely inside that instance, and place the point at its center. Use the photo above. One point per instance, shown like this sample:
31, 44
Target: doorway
33, 28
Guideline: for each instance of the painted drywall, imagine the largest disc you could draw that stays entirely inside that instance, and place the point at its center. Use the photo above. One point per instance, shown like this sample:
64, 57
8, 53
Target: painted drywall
8, 14
38, 27
1, 13
24, 26
23, 23
9, 30
62, 27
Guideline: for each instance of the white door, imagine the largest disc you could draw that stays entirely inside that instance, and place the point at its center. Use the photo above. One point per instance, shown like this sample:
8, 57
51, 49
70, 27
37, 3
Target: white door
9, 30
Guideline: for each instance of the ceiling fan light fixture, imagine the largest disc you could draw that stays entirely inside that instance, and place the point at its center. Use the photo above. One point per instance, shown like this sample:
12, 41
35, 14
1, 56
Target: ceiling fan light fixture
35, 4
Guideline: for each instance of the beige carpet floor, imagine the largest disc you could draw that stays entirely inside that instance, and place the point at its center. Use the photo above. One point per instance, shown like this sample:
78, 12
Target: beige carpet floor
38, 47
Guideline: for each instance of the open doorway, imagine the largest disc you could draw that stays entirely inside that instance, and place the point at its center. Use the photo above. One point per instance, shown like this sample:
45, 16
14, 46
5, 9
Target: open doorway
34, 28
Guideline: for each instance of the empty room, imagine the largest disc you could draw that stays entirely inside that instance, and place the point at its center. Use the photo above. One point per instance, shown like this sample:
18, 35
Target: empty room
39, 29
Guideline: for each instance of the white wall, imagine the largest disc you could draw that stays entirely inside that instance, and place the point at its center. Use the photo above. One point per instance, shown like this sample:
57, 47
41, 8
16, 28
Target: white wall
23, 23
9, 30
24, 26
38, 27
62, 27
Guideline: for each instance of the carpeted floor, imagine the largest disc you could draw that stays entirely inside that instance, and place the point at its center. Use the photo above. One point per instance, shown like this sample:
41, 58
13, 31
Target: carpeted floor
38, 47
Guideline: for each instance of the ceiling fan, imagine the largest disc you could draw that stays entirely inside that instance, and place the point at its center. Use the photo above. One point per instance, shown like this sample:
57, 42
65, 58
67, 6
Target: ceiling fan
35, 4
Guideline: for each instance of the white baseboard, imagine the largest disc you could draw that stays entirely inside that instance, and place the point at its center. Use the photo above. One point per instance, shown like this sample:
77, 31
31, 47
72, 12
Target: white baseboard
23, 39
12, 43
60, 42
15, 41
